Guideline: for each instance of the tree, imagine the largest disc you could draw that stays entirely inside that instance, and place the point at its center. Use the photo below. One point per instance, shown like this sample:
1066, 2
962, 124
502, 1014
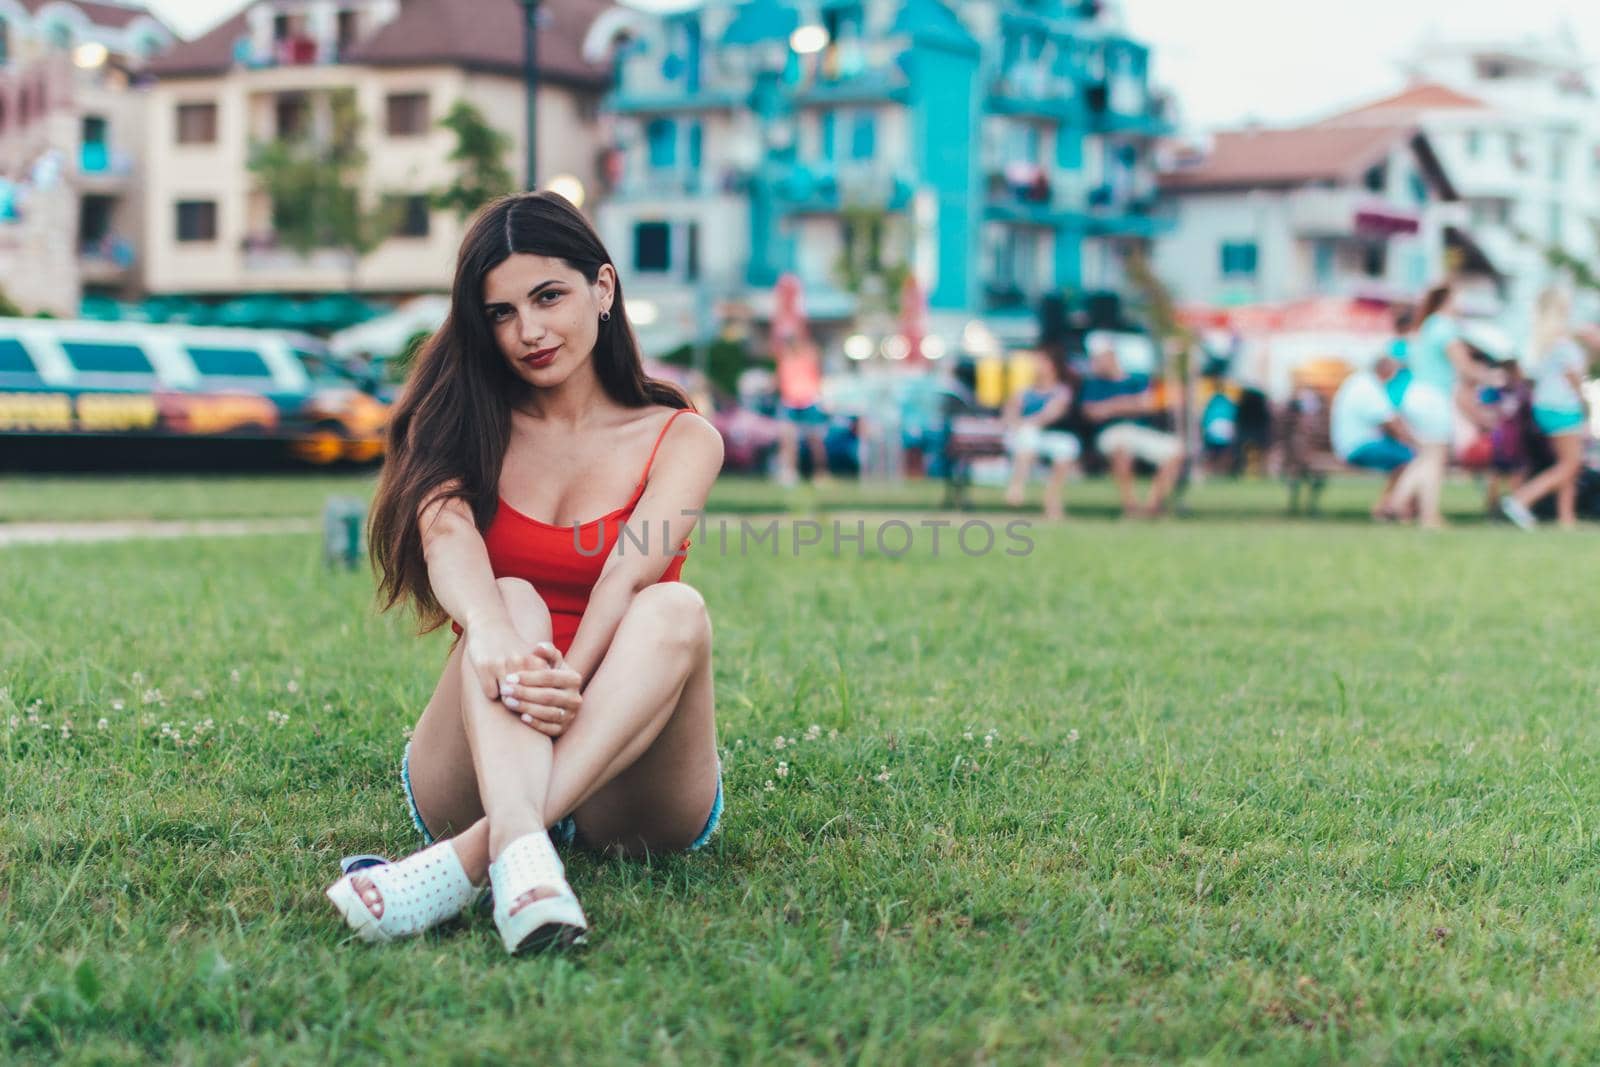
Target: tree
7, 308
315, 188
870, 235
480, 151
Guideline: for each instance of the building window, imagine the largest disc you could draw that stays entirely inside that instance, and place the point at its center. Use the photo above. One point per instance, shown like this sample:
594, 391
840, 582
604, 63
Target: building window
696, 145
1419, 188
1238, 259
1558, 160
1474, 143
412, 216
652, 247
863, 136
662, 138
1556, 226
197, 123
60, 36
1324, 259
197, 220
293, 116
1375, 259
1377, 178
407, 114
347, 30
691, 258
829, 123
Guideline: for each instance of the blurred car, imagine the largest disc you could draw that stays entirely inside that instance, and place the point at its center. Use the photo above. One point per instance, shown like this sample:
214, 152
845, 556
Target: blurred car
136, 382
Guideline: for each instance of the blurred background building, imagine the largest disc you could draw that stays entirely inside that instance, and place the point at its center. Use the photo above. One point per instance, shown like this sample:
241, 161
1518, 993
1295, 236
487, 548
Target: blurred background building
73, 160
997, 151
362, 85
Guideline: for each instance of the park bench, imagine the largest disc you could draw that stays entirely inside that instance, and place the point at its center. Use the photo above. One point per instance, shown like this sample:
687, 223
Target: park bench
968, 437
1304, 439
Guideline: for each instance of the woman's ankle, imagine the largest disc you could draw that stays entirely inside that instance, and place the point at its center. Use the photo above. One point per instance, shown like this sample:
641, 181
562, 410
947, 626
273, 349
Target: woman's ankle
506, 830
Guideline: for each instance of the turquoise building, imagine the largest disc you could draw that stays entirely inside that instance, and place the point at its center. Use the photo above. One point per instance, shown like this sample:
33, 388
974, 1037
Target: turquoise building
1000, 150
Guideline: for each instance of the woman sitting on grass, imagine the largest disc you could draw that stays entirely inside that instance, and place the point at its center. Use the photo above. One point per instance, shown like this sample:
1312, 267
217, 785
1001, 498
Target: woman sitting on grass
577, 703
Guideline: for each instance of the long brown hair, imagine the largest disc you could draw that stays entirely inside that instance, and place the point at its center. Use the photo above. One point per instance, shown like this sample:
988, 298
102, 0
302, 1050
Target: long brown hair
448, 433
1432, 301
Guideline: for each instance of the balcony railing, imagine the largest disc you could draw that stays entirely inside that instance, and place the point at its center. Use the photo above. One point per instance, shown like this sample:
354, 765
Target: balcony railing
100, 160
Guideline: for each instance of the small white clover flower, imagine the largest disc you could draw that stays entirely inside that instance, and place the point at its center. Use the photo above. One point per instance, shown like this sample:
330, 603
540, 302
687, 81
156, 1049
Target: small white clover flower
882, 775
234, 676
116, 705
780, 741
769, 787
293, 686
813, 732
783, 769
103, 724
138, 679
1072, 737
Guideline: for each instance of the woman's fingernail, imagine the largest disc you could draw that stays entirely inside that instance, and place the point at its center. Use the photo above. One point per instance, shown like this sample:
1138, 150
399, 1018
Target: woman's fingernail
511, 702
511, 679
528, 719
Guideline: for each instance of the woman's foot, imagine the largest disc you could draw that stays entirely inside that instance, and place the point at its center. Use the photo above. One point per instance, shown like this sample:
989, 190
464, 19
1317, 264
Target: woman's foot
405, 898
534, 906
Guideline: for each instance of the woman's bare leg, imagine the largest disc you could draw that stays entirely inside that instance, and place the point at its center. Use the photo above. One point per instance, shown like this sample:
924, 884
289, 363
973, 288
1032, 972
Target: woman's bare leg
643, 746
1054, 489
1560, 477
1021, 466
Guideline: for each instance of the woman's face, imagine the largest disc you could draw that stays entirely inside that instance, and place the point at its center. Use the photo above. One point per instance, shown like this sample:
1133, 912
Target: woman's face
545, 315
1044, 371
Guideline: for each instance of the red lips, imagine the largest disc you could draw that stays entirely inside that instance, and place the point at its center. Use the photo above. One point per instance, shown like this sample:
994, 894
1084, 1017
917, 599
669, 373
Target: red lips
542, 358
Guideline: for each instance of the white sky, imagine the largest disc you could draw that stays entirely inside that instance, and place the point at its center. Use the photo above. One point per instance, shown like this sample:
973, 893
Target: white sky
1233, 60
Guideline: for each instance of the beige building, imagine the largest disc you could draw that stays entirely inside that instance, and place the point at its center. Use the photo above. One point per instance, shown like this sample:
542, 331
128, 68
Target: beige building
267, 74
71, 140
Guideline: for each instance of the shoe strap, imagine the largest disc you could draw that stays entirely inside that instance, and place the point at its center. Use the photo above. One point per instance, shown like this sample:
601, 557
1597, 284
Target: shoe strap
423, 889
530, 862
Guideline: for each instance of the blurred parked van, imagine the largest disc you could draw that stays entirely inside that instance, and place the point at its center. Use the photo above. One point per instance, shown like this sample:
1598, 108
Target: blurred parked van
132, 382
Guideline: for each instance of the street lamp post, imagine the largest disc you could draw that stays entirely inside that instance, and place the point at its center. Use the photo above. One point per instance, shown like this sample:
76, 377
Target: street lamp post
530, 77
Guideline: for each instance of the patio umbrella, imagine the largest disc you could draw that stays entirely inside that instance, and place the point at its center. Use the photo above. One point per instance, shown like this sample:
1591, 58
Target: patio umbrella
913, 316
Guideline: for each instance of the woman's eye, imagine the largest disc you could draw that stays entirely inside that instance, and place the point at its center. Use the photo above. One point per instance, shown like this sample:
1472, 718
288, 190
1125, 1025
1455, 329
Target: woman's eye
500, 314
549, 296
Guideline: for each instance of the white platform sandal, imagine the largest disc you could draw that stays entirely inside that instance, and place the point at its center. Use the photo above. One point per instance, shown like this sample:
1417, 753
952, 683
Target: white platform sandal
528, 864
418, 893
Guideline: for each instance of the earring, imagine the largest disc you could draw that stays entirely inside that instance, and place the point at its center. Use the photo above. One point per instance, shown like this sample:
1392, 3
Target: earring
605, 316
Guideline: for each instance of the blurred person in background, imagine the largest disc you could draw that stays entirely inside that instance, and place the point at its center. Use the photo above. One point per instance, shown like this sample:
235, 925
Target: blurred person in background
1368, 431
800, 402
1442, 368
1120, 406
1030, 416
1559, 411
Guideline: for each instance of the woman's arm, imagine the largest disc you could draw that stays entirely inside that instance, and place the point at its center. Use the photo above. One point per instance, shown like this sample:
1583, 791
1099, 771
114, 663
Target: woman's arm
463, 583
685, 468
1054, 408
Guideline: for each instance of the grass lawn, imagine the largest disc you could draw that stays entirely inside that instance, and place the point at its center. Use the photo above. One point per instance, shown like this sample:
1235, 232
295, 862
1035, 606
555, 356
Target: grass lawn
1211, 790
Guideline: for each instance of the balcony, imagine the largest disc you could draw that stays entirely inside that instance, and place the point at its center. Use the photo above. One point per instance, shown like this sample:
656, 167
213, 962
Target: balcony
103, 169
1036, 92
106, 260
1348, 213
1031, 195
1142, 215
263, 253
824, 189
1125, 106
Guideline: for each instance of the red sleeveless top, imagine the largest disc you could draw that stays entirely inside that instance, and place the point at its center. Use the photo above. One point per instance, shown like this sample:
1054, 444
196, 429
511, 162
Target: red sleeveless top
562, 563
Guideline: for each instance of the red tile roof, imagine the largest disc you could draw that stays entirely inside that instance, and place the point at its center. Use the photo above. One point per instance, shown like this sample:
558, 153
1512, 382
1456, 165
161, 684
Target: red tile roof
480, 35
1420, 96
487, 35
1245, 158
114, 16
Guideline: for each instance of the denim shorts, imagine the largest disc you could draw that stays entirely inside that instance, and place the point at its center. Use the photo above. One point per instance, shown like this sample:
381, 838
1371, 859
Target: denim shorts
1384, 454
565, 832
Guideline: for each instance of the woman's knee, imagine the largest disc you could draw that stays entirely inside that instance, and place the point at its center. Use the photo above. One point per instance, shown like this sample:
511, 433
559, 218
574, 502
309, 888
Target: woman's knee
523, 603
676, 611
